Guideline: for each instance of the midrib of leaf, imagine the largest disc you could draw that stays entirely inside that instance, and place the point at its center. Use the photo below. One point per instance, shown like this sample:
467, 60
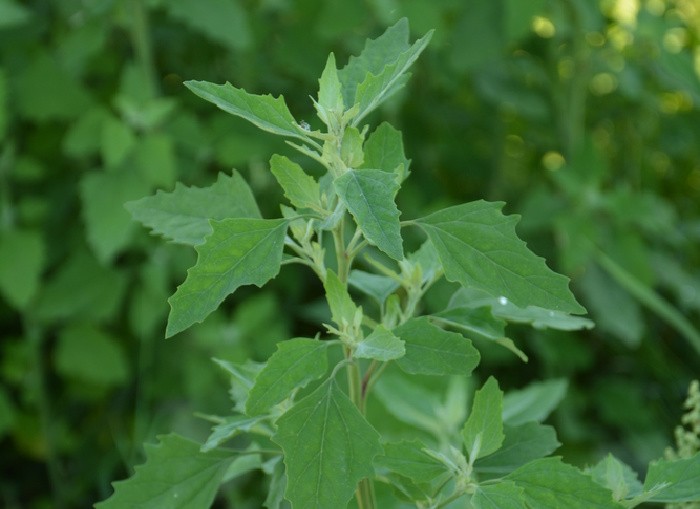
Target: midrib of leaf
483, 255
239, 260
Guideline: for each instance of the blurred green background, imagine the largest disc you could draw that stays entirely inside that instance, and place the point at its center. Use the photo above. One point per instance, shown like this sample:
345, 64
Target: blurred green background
583, 115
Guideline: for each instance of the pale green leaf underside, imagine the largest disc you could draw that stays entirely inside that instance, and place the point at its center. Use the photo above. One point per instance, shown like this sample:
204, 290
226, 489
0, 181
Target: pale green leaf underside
483, 431
381, 345
617, 477
478, 247
265, 111
231, 427
342, 307
433, 351
408, 459
376, 88
375, 285
328, 448
301, 189
503, 495
369, 196
550, 483
384, 150
238, 252
183, 215
296, 362
176, 475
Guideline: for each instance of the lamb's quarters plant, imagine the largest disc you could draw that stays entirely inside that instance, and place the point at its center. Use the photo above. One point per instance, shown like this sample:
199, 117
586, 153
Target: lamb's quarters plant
308, 409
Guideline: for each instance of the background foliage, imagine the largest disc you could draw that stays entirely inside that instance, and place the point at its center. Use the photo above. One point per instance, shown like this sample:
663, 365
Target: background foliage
581, 115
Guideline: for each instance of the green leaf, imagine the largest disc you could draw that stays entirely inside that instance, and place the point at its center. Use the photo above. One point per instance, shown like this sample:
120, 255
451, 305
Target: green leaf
534, 403
89, 355
96, 292
521, 445
156, 159
502, 308
328, 448
550, 483
381, 344
369, 196
330, 105
380, 70
682, 476
478, 247
176, 475
483, 431
502, 495
409, 402
407, 458
478, 322
301, 189
242, 380
375, 285
278, 483
224, 21
296, 362
384, 150
265, 111
117, 141
183, 215
617, 477
351, 147
22, 256
433, 351
109, 227
238, 252
228, 429
343, 309
12, 14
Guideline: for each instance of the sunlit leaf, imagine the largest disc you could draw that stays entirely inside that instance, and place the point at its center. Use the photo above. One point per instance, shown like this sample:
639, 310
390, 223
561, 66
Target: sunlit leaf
301, 189
478, 247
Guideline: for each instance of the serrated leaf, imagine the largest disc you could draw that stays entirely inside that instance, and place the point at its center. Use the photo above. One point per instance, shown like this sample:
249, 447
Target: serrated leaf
22, 256
384, 150
183, 215
380, 69
301, 189
483, 431
328, 448
265, 111
296, 362
533, 403
408, 459
521, 445
502, 495
376, 88
617, 477
682, 477
478, 247
369, 196
375, 285
238, 252
343, 309
176, 475
433, 351
228, 429
552, 484
381, 345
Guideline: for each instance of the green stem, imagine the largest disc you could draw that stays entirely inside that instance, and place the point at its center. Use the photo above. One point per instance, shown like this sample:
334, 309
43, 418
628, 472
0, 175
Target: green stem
141, 42
36, 340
